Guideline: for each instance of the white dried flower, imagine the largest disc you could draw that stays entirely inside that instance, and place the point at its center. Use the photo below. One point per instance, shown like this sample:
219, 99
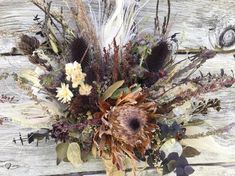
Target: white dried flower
63, 93
78, 79
74, 73
85, 89
69, 69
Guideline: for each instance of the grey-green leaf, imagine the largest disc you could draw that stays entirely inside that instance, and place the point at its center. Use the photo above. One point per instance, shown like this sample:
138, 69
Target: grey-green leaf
118, 92
61, 152
74, 154
190, 152
109, 92
171, 165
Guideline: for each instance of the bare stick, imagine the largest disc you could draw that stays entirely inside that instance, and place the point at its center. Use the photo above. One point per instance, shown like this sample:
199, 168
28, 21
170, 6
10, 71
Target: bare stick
169, 13
156, 19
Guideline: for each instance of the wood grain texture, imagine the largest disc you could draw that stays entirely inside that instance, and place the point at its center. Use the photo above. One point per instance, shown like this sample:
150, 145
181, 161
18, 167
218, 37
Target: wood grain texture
191, 18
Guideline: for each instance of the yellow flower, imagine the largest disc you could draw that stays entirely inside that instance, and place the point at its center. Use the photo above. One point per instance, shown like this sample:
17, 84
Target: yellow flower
63, 93
85, 89
74, 73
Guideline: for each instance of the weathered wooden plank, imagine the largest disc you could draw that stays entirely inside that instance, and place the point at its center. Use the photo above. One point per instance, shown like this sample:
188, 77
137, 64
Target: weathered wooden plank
191, 18
44, 155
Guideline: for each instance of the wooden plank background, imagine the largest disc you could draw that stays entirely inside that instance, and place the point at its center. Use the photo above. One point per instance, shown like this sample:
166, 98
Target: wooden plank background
191, 18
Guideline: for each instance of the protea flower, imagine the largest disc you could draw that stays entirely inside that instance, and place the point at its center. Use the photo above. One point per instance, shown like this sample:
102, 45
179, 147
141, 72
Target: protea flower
127, 125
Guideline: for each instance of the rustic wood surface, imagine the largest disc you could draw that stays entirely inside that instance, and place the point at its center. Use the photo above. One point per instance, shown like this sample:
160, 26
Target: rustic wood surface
191, 18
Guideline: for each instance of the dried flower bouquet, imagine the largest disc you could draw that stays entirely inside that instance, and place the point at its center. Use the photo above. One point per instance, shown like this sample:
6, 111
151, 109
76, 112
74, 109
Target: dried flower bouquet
116, 87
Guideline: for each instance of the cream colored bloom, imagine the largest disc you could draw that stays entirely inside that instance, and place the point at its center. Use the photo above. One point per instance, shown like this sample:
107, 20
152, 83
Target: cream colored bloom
78, 78
69, 69
74, 73
63, 93
85, 89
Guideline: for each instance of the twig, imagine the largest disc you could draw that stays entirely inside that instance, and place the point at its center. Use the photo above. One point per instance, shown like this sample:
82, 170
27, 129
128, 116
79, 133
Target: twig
156, 19
53, 14
13, 52
84, 55
115, 70
169, 13
164, 26
10, 54
224, 164
197, 51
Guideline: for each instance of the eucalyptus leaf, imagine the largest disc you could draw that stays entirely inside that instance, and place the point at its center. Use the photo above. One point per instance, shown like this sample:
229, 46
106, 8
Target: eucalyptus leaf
170, 146
109, 92
66, 159
118, 92
94, 151
74, 154
188, 170
171, 165
190, 152
61, 152
165, 170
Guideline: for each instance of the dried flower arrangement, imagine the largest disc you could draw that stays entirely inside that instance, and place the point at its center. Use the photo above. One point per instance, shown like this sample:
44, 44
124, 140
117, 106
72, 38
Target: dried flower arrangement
115, 89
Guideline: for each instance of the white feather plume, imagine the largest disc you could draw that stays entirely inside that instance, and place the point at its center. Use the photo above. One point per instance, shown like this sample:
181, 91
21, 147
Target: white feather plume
119, 25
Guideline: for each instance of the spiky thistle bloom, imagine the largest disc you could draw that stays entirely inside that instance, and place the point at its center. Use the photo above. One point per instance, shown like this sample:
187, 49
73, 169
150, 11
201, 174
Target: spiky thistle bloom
126, 125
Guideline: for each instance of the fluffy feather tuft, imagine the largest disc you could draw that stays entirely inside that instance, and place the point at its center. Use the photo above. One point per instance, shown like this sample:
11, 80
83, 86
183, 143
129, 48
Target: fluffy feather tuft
119, 25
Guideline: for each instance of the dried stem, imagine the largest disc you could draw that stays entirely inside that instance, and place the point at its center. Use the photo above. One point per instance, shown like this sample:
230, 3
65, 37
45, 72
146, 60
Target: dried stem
41, 5
168, 13
197, 61
156, 19
197, 51
115, 61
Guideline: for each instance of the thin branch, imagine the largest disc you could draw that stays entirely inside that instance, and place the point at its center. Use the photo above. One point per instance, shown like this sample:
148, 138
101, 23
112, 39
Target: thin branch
169, 13
53, 14
197, 51
156, 19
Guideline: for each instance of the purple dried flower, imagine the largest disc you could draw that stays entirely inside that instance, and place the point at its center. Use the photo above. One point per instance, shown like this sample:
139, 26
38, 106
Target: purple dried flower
60, 131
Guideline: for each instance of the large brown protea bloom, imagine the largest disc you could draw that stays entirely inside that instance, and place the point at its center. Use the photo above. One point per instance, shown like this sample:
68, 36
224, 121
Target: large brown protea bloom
127, 124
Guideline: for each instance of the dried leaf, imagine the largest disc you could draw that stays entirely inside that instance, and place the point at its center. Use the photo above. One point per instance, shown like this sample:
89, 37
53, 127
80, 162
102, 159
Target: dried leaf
118, 92
61, 152
109, 92
94, 151
74, 154
171, 165
190, 152
196, 122
111, 169
53, 44
28, 44
188, 170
